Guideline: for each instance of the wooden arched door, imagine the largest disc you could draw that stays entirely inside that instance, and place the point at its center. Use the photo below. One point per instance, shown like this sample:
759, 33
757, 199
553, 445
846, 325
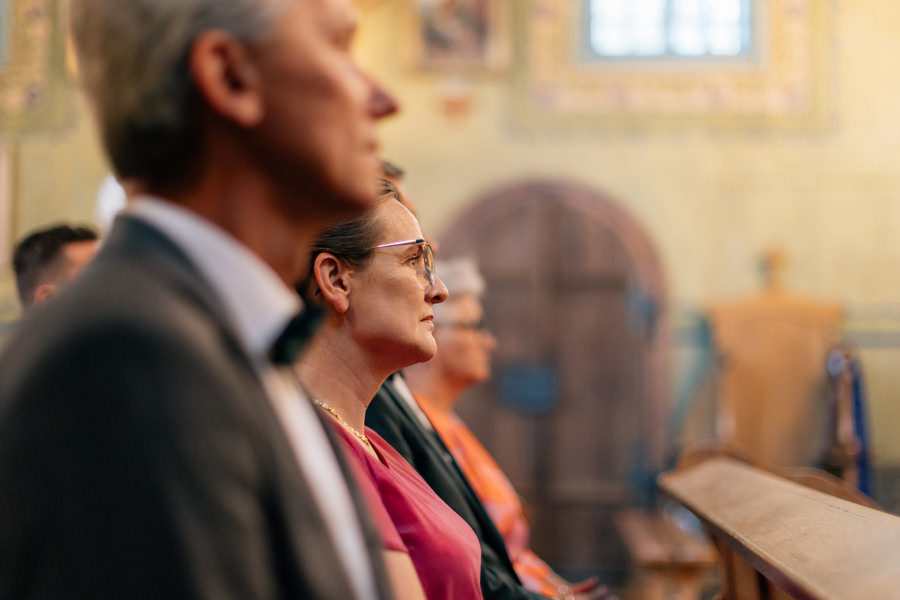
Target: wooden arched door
574, 413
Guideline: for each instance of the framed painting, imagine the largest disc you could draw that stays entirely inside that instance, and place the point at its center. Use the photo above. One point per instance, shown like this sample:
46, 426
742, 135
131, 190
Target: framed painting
460, 35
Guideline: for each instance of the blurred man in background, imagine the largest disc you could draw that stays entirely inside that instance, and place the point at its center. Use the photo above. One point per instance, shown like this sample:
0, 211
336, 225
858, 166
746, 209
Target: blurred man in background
47, 259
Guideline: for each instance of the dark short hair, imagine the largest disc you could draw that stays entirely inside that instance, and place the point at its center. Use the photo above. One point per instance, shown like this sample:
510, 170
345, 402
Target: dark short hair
37, 252
390, 170
351, 241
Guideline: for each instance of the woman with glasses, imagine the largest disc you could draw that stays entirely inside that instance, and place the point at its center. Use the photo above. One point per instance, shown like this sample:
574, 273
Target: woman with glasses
463, 360
374, 278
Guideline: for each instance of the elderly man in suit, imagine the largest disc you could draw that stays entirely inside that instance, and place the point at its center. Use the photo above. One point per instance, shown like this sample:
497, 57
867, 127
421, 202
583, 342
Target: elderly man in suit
150, 445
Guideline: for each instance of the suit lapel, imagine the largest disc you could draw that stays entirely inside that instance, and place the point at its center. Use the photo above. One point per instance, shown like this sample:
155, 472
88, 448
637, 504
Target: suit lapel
142, 244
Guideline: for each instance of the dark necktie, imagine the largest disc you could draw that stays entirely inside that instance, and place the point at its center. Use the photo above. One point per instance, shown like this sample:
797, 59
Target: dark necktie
296, 334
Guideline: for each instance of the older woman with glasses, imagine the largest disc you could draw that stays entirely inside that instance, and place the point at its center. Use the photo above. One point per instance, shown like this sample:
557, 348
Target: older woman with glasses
374, 278
463, 360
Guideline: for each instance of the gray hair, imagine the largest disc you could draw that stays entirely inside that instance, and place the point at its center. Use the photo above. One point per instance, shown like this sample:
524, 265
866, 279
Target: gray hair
133, 63
461, 276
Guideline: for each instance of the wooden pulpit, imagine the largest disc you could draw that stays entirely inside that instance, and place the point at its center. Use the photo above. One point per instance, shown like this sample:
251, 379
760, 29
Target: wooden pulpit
772, 348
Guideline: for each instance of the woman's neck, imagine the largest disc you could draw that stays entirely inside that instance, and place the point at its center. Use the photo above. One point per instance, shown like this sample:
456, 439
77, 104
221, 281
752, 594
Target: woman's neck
335, 374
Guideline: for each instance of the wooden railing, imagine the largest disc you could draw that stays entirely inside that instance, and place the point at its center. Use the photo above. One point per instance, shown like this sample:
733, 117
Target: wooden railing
778, 539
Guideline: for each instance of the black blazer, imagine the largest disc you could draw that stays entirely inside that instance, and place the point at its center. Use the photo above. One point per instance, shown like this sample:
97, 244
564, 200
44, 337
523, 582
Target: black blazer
139, 454
389, 415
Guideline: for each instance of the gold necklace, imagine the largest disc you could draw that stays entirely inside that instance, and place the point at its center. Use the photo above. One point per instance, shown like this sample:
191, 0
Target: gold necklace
360, 436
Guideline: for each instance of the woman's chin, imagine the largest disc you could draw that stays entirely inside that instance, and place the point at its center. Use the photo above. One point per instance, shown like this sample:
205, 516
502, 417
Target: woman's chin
428, 350
416, 353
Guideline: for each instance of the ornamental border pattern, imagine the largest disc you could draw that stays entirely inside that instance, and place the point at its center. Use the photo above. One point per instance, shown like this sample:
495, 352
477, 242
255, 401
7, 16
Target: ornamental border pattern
786, 85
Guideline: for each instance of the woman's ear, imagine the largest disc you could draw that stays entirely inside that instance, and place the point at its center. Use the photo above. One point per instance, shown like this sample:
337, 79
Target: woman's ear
332, 277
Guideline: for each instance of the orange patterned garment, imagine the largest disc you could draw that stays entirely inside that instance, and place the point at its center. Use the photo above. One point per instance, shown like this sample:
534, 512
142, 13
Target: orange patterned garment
496, 493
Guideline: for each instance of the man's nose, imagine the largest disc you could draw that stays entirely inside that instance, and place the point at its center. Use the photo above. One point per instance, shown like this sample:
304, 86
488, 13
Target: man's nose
381, 103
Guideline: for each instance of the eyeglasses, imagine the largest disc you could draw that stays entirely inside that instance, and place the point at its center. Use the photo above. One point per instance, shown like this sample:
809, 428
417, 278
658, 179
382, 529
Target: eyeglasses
427, 255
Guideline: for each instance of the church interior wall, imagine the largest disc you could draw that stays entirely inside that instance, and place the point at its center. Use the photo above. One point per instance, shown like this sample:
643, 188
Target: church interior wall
712, 199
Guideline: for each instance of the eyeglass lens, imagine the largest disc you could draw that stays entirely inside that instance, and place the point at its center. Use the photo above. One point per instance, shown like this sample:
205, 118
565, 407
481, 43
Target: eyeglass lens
427, 255
428, 261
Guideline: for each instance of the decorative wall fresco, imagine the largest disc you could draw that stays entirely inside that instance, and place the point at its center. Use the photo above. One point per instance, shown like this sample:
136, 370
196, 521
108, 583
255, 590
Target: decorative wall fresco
784, 85
459, 35
33, 79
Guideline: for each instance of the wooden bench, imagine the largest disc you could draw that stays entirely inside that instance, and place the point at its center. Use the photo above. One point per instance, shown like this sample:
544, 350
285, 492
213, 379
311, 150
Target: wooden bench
778, 539
669, 563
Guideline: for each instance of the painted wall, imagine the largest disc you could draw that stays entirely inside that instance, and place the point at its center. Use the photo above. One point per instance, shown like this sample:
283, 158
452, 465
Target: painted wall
56, 179
712, 200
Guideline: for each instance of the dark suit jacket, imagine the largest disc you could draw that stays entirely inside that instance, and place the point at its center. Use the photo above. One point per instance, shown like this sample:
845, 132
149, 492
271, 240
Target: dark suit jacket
139, 454
389, 415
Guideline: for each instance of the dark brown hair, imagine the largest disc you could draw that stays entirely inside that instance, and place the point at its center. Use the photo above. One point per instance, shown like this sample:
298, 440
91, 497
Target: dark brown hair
351, 241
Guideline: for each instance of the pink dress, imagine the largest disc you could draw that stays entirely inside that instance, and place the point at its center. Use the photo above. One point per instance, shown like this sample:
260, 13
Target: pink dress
443, 548
497, 494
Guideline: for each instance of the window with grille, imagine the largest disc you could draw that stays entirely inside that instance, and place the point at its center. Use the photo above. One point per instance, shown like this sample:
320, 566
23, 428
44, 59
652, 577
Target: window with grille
669, 28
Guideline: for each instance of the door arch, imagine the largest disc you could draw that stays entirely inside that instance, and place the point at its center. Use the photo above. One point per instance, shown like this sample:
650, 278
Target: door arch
575, 412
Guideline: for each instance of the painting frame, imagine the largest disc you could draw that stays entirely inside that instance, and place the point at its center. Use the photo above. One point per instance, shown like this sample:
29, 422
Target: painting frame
459, 36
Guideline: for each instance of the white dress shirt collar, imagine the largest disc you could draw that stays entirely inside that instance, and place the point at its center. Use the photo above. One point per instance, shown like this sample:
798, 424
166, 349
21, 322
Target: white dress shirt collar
257, 301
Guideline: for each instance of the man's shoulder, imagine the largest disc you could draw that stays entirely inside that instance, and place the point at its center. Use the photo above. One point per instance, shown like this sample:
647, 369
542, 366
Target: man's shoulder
121, 292
135, 353
121, 308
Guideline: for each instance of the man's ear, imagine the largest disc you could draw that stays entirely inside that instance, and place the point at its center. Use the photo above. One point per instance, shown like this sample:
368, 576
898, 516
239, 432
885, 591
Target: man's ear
227, 77
43, 292
332, 278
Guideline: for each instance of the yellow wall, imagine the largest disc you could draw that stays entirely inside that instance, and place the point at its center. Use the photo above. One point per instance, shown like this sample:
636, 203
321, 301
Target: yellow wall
58, 173
56, 178
712, 200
